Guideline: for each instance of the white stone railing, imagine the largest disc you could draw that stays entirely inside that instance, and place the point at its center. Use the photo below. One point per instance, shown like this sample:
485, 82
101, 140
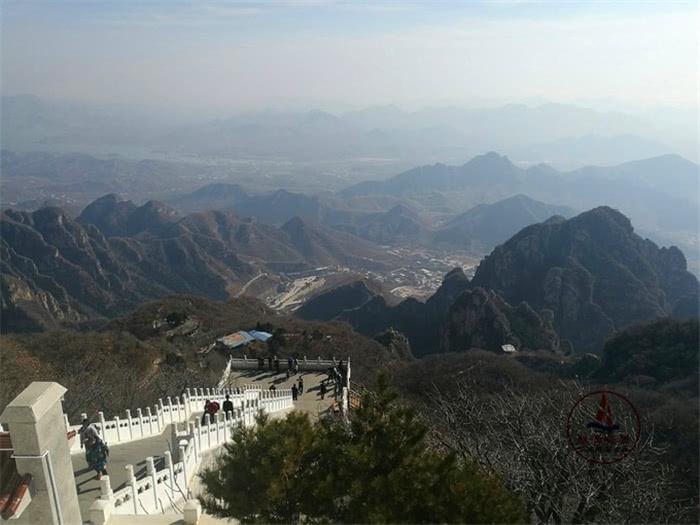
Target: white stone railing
162, 490
305, 365
153, 421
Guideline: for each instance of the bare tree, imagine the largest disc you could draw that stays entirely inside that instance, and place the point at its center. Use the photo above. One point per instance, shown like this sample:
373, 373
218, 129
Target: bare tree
522, 438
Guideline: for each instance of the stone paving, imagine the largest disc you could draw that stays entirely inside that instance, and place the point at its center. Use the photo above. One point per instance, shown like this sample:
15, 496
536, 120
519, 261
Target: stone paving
135, 452
309, 401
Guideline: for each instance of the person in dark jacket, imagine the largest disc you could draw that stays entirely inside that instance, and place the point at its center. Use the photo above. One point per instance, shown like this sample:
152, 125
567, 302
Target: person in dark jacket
228, 406
301, 385
295, 392
323, 390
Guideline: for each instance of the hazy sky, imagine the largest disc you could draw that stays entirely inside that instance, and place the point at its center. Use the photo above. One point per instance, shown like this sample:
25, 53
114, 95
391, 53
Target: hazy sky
332, 53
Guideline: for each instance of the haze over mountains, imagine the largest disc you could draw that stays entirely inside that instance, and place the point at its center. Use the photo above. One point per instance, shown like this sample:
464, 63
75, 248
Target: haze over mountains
564, 135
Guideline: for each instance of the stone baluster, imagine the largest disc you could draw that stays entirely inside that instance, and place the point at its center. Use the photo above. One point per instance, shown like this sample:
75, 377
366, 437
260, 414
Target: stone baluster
186, 406
172, 482
195, 445
131, 481
117, 422
219, 428
156, 418
227, 426
161, 415
142, 427
207, 421
170, 409
198, 436
106, 489
185, 468
149, 415
130, 423
179, 407
151, 471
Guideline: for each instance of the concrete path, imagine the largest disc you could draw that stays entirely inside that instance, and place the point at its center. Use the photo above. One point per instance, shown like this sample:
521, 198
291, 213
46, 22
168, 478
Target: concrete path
309, 401
133, 453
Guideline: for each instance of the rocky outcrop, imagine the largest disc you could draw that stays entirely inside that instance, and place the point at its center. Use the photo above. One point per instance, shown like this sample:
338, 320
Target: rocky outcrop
482, 319
593, 272
398, 344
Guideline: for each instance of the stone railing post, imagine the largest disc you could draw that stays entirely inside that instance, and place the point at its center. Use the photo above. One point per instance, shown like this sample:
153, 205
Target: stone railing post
161, 407
198, 436
207, 421
195, 444
131, 481
130, 422
186, 406
149, 415
185, 470
119, 429
170, 409
151, 471
176, 407
139, 416
106, 489
103, 423
171, 471
38, 433
217, 422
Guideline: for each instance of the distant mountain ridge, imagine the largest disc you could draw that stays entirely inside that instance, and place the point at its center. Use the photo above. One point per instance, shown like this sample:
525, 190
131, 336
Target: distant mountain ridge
57, 269
491, 224
660, 193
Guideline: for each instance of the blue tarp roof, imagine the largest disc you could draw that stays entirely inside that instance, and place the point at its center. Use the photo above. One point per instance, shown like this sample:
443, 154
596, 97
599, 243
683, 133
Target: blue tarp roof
260, 335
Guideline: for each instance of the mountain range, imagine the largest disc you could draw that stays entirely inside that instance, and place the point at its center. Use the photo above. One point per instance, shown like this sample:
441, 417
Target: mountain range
116, 255
574, 283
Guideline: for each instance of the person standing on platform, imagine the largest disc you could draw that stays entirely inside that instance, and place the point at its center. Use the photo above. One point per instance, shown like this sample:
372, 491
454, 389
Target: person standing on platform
228, 406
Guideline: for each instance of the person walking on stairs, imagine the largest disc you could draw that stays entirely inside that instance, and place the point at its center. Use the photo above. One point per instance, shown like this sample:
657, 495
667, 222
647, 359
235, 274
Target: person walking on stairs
301, 385
323, 390
295, 392
96, 450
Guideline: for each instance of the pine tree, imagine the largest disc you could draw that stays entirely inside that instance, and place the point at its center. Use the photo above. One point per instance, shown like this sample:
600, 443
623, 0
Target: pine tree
375, 469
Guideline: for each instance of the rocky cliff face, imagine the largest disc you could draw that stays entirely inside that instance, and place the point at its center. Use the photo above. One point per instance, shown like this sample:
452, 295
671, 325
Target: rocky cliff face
457, 318
482, 319
398, 344
593, 272
420, 322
